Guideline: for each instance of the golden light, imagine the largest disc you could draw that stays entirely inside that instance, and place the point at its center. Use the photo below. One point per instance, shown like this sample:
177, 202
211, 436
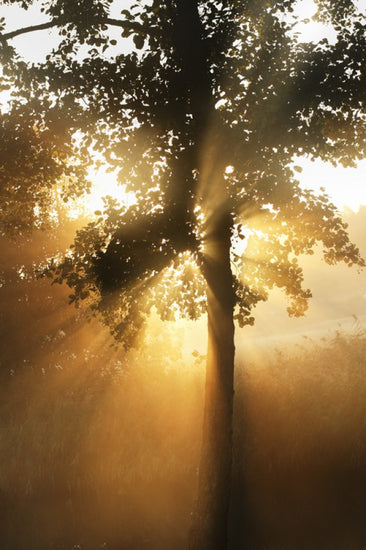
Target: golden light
103, 184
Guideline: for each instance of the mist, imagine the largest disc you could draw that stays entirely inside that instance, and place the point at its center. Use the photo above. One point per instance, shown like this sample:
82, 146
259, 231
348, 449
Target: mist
100, 447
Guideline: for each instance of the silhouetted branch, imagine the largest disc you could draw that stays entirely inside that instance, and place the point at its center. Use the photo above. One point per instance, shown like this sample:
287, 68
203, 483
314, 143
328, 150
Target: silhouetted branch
124, 24
32, 28
127, 25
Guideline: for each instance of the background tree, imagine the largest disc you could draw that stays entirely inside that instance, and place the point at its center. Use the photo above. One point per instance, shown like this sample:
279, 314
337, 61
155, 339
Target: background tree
201, 118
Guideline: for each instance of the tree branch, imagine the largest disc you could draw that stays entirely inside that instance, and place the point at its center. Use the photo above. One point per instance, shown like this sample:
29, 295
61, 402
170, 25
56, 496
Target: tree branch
127, 25
25, 30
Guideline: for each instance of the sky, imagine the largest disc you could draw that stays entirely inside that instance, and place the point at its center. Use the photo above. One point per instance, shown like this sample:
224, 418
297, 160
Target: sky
339, 293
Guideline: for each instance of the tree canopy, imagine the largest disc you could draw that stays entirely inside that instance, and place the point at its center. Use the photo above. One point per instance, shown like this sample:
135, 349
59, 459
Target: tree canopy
200, 108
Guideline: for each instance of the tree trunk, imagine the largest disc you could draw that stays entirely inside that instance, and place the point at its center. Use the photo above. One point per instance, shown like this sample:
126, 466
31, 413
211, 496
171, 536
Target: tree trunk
210, 517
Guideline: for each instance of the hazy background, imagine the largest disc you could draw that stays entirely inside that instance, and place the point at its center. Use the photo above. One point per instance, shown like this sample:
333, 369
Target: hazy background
99, 448
339, 293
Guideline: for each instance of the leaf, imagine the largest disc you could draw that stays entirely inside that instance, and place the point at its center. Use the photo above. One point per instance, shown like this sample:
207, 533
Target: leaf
138, 41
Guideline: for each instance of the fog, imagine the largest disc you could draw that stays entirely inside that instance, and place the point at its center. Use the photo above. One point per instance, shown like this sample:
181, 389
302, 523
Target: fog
339, 293
99, 447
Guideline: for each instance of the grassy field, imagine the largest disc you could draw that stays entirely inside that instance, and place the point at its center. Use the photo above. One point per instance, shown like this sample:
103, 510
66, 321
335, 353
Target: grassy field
100, 450
300, 464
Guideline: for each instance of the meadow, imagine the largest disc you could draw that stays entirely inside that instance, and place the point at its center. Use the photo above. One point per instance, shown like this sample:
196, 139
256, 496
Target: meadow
99, 448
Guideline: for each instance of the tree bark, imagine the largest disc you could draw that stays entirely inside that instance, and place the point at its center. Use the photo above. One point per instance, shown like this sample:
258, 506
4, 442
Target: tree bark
210, 517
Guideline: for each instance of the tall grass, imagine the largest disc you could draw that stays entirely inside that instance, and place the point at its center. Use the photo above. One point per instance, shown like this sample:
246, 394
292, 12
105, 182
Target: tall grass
301, 447
100, 450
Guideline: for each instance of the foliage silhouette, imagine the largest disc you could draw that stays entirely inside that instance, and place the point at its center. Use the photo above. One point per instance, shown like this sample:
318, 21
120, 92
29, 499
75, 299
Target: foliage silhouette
201, 118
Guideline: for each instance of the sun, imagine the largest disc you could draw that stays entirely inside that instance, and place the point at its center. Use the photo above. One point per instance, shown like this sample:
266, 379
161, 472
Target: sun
104, 184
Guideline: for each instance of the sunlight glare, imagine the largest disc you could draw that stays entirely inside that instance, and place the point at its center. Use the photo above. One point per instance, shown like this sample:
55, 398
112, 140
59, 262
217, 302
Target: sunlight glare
308, 30
345, 186
103, 184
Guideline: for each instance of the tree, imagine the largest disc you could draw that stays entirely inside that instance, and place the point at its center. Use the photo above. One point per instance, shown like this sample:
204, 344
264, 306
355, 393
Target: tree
201, 116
